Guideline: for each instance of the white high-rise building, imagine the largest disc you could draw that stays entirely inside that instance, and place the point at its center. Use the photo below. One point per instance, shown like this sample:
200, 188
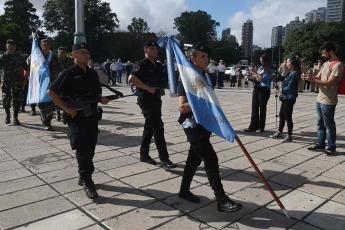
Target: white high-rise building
277, 36
335, 10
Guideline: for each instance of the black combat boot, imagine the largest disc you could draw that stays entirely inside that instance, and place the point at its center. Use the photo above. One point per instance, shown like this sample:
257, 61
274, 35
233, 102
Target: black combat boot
224, 204
22, 110
8, 116
89, 188
15, 118
33, 111
58, 115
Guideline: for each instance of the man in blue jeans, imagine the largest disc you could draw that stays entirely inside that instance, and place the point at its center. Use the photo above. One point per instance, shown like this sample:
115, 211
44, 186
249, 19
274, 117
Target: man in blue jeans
328, 79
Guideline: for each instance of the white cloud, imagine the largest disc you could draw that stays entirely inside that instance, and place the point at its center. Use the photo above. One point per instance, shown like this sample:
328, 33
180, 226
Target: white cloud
157, 15
266, 14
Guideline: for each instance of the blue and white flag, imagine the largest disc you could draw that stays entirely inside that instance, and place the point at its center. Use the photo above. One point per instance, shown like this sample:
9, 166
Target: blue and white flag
201, 97
39, 76
165, 42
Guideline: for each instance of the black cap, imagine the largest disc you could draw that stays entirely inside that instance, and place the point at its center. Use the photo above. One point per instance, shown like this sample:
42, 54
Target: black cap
45, 41
201, 47
62, 49
78, 46
150, 43
10, 42
186, 48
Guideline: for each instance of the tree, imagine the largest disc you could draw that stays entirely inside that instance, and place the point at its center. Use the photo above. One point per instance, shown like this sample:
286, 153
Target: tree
225, 50
23, 14
306, 41
10, 31
138, 28
99, 21
195, 26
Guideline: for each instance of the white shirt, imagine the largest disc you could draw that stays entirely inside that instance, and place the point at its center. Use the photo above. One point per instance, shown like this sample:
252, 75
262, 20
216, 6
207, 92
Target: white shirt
113, 67
221, 68
212, 69
232, 72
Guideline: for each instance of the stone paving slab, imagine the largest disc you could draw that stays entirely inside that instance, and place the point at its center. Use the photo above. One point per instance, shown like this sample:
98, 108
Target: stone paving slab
329, 216
71, 220
38, 173
33, 212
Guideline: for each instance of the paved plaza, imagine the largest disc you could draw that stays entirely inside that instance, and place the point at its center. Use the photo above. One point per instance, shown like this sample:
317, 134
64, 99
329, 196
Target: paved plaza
38, 173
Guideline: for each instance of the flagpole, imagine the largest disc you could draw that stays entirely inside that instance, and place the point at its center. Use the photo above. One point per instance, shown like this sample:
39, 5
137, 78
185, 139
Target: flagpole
261, 176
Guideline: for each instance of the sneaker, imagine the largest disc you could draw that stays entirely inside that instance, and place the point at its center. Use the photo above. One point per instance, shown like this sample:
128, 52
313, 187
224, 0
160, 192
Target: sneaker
330, 151
316, 147
287, 139
277, 135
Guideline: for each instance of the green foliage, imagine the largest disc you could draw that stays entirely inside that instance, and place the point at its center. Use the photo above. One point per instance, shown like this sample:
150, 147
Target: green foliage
59, 18
306, 41
138, 28
10, 31
195, 26
225, 50
23, 14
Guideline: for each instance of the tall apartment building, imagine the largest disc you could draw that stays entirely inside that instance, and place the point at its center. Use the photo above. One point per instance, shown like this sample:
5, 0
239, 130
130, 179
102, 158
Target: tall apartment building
226, 33
318, 15
277, 36
335, 10
247, 38
291, 26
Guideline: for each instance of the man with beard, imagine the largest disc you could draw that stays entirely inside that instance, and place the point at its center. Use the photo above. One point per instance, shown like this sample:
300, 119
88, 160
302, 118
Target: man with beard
328, 80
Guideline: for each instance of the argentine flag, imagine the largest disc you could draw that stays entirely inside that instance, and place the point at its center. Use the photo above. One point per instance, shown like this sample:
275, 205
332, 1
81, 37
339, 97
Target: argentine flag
201, 97
39, 76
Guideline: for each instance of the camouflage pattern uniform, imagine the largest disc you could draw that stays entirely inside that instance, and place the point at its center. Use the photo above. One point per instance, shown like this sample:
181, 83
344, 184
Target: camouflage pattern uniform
12, 79
68, 62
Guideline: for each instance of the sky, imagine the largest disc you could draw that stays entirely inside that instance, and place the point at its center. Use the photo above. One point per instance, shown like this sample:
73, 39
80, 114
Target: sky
160, 15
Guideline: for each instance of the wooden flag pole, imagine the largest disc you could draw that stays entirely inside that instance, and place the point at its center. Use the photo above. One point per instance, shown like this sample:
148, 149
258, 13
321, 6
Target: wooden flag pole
261, 176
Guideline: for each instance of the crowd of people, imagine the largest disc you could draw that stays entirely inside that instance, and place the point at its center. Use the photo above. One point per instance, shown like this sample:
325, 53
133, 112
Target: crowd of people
76, 77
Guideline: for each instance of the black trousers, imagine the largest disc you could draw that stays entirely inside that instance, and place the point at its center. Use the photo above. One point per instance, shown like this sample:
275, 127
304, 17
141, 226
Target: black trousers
83, 133
201, 150
151, 107
285, 114
259, 108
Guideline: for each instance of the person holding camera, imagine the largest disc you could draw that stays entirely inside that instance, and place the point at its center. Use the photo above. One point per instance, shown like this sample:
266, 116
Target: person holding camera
328, 80
261, 93
289, 93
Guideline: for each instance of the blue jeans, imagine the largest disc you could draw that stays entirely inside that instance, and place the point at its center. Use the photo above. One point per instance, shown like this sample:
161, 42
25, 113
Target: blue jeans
325, 120
119, 74
127, 76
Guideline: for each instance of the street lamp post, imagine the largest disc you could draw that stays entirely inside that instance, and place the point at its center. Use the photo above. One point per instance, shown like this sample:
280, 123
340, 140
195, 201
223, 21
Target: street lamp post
79, 35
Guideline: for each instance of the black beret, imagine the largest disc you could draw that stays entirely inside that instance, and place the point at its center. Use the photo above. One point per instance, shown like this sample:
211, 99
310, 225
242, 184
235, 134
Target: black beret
45, 41
150, 43
10, 42
201, 47
78, 46
62, 49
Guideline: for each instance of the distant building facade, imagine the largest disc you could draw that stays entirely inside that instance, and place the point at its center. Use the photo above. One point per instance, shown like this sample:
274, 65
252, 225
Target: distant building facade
335, 10
277, 36
318, 15
247, 38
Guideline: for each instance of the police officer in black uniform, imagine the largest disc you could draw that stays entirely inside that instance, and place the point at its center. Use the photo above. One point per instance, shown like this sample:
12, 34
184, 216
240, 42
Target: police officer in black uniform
148, 76
200, 146
80, 81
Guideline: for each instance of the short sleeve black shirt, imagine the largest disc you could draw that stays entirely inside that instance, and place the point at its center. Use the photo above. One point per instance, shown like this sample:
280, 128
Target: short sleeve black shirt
75, 82
150, 73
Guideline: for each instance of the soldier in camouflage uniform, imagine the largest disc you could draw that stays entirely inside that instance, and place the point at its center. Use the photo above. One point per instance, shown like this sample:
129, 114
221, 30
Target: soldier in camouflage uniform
66, 62
54, 69
12, 80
